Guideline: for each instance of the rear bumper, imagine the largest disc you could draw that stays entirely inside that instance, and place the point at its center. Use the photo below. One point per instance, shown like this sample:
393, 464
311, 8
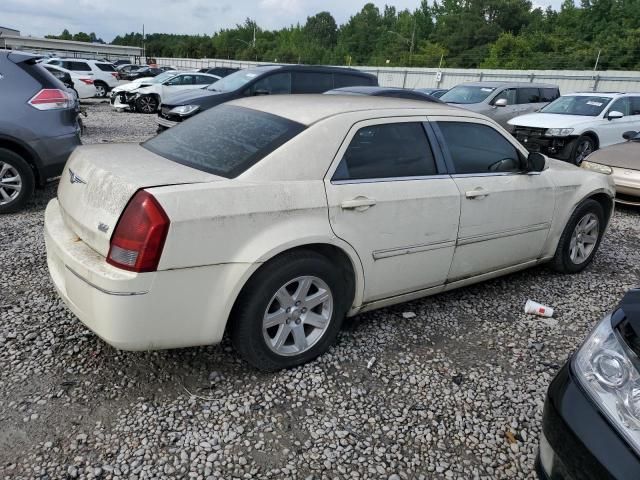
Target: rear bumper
577, 440
627, 186
53, 153
132, 311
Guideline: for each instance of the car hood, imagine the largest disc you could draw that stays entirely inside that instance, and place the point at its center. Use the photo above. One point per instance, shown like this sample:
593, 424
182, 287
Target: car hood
200, 96
550, 120
127, 87
621, 155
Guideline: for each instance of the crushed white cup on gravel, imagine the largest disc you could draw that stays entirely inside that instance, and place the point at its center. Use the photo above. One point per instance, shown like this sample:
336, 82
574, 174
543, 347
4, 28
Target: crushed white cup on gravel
535, 308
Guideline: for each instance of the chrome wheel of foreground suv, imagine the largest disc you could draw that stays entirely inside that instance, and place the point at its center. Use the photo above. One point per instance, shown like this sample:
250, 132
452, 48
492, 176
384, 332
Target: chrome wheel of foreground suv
584, 238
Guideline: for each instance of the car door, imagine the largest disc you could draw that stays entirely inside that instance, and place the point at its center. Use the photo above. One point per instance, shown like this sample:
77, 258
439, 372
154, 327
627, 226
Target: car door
505, 213
611, 130
390, 198
271, 84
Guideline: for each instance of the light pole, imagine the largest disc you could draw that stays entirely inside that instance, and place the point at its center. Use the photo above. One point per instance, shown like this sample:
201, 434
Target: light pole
410, 42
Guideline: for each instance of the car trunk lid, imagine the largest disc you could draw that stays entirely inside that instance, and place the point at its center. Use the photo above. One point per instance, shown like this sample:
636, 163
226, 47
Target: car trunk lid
98, 181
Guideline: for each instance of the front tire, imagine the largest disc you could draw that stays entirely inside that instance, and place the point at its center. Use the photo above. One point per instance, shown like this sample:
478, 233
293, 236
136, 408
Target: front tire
584, 147
147, 104
581, 238
289, 312
16, 181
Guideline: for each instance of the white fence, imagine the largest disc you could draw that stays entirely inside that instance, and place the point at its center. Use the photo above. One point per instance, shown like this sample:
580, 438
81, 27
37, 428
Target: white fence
567, 80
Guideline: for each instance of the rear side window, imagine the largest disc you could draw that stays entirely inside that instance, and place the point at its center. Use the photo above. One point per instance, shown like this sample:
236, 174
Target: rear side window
224, 140
549, 94
528, 95
347, 80
477, 148
106, 67
635, 106
204, 80
387, 151
311, 82
77, 66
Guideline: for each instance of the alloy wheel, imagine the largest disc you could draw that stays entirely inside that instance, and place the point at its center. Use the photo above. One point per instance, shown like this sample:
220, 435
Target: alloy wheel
147, 104
583, 150
101, 91
10, 183
297, 316
584, 238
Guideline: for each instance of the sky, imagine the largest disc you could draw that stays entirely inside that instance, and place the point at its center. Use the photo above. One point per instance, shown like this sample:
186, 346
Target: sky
108, 18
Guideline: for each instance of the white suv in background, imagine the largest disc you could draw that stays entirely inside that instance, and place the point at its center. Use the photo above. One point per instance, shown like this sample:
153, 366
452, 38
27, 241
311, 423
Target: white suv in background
574, 125
104, 74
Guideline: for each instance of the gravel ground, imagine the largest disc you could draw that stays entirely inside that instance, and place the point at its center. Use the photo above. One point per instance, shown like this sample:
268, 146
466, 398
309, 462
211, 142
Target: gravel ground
456, 391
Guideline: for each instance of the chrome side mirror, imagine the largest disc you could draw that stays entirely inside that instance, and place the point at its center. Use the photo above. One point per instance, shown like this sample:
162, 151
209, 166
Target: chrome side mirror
501, 102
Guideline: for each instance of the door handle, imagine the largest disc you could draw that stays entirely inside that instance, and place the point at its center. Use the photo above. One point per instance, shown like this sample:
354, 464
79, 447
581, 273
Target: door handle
359, 204
477, 193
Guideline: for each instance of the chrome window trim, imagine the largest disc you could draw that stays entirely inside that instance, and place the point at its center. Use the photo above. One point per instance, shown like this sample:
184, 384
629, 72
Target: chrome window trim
390, 179
488, 174
108, 292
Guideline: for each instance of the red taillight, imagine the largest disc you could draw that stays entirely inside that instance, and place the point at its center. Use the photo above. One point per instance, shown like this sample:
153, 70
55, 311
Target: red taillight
88, 81
116, 74
51, 99
138, 239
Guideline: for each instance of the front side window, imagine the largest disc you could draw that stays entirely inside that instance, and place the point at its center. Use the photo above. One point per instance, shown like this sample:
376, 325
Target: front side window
509, 95
225, 140
585, 105
466, 94
528, 95
347, 80
275, 84
621, 105
391, 150
477, 148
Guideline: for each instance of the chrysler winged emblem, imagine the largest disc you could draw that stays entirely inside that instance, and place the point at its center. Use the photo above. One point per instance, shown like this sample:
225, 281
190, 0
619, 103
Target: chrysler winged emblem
73, 178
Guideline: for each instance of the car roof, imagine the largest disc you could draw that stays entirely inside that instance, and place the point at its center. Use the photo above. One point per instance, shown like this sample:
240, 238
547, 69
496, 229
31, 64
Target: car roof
367, 89
508, 84
312, 68
309, 109
599, 94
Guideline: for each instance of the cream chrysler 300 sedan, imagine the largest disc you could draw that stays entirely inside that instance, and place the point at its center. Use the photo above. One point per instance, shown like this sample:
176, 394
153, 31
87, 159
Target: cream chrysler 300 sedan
274, 217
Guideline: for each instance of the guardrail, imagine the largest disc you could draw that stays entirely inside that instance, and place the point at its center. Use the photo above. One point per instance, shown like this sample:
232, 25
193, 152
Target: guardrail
567, 80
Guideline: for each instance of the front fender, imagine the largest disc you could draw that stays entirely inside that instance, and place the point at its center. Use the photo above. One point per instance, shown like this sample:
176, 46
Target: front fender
573, 185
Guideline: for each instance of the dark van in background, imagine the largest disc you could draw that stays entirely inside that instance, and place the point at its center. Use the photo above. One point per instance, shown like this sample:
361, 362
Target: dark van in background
265, 80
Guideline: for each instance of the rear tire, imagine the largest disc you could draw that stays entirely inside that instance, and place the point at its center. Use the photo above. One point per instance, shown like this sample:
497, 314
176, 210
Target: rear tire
16, 181
580, 239
101, 89
277, 322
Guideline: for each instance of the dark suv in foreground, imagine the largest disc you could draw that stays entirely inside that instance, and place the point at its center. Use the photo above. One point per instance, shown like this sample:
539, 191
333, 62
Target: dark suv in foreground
591, 419
265, 80
38, 127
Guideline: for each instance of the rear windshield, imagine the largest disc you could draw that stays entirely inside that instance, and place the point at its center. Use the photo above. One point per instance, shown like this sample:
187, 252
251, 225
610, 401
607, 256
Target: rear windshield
106, 67
225, 140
